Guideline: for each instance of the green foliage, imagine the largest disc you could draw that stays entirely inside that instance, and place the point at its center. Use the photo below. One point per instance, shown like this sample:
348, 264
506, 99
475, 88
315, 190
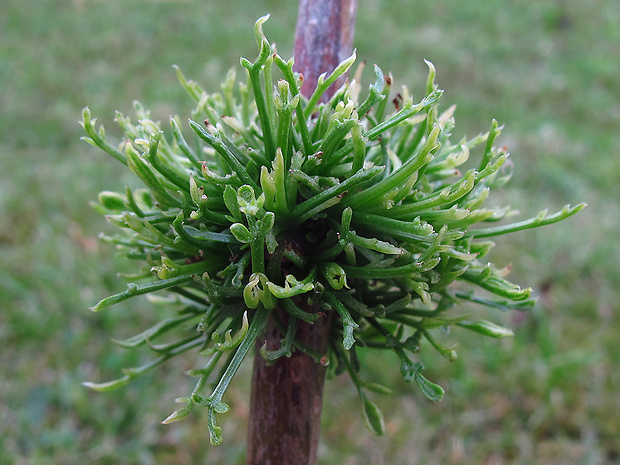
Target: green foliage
311, 205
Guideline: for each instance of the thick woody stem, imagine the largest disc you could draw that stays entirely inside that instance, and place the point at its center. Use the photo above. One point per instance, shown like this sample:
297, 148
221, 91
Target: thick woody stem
324, 38
287, 396
286, 400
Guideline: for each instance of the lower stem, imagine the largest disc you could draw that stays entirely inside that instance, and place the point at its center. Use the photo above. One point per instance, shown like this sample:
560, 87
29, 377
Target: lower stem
286, 400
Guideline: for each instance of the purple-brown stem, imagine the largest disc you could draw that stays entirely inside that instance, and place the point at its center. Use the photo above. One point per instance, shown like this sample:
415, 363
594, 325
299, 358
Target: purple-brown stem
286, 400
287, 396
324, 38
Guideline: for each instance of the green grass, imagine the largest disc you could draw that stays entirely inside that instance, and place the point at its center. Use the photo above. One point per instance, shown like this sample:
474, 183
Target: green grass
547, 70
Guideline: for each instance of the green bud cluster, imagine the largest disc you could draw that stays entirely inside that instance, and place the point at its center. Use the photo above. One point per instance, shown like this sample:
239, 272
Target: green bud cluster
350, 205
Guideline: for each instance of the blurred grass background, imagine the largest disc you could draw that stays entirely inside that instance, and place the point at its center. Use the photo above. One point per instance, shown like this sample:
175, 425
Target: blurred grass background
547, 70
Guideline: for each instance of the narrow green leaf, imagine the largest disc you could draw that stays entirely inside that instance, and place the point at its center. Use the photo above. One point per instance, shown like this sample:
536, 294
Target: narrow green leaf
142, 169
112, 201
377, 388
398, 177
324, 83
241, 233
430, 390
248, 203
153, 331
349, 325
542, 219
335, 275
215, 431
301, 211
98, 138
487, 328
179, 414
139, 289
215, 141
497, 285
297, 312
373, 416
109, 385
408, 111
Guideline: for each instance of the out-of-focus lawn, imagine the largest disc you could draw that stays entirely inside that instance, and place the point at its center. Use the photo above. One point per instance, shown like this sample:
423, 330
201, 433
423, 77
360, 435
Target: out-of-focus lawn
547, 70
